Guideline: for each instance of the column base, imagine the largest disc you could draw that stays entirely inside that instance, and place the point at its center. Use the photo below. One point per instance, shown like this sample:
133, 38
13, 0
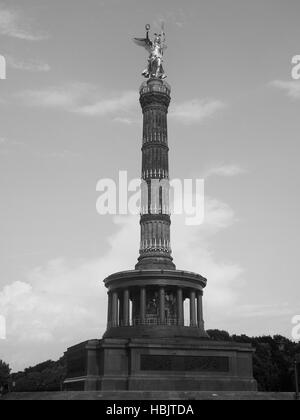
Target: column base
166, 365
155, 263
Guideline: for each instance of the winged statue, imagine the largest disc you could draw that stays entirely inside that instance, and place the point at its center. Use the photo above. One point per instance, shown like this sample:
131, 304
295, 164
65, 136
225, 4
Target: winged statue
155, 48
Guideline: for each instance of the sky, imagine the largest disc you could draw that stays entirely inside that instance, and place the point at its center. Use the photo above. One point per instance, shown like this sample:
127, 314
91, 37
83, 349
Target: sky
69, 116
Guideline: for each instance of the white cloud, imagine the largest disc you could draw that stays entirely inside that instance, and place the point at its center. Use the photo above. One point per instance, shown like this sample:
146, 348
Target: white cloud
83, 99
14, 24
30, 65
66, 97
263, 311
193, 251
225, 170
176, 17
105, 106
292, 88
196, 111
63, 154
63, 303
126, 121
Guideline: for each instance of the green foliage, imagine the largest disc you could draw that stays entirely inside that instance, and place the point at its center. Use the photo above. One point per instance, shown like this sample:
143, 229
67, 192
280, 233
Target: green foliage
273, 359
4, 373
47, 376
218, 335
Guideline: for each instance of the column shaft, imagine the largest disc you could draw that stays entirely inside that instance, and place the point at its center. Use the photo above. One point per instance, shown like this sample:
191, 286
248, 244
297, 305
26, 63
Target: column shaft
114, 309
200, 311
142, 305
120, 310
180, 311
193, 322
126, 307
109, 309
162, 305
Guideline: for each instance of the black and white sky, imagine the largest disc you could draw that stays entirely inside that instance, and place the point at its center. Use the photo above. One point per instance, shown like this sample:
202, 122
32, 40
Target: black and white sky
69, 116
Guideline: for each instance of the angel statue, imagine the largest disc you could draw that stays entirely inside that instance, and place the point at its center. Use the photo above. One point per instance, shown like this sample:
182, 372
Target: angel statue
156, 50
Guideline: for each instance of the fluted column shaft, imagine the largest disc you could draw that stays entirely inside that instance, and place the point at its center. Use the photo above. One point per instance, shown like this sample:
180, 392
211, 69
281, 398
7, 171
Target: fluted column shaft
142, 305
162, 305
126, 307
193, 309
200, 311
109, 309
115, 309
180, 310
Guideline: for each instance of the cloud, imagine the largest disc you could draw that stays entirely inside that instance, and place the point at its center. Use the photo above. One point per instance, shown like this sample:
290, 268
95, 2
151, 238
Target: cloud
263, 311
126, 121
124, 101
88, 100
66, 97
14, 24
9, 146
292, 88
65, 302
62, 154
196, 111
30, 65
83, 99
193, 252
10, 143
225, 170
176, 17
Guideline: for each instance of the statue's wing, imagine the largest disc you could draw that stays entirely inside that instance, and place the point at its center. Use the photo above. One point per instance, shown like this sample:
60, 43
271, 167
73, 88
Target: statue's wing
143, 42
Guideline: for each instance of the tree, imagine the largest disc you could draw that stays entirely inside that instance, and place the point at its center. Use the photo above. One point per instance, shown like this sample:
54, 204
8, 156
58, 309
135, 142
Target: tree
272, 361
4, 376
46, 376
218, 335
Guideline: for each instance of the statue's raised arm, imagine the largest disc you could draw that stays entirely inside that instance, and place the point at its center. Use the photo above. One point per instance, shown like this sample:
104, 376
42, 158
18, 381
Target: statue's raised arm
156, 50
144, 42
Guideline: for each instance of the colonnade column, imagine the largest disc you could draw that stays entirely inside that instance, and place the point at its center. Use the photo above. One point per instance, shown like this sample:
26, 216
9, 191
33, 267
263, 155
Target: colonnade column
126, 307
180, 311
193, 309
162, 305
114, 319
200, 310
142, 305
109, 310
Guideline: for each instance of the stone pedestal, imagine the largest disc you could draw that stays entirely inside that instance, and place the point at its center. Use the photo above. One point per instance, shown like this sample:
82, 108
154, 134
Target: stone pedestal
142, 364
